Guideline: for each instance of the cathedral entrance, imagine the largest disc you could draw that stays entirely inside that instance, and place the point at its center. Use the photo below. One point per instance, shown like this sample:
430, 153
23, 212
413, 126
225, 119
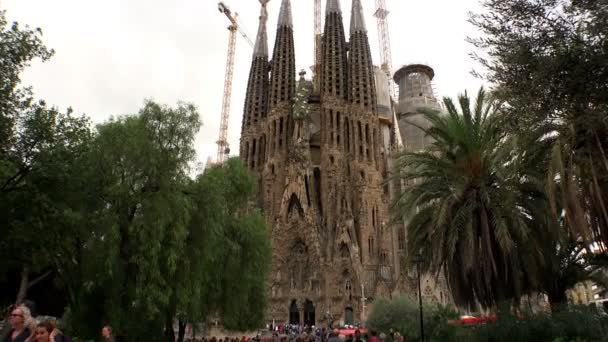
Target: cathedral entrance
349, 317
294, 313
309, 313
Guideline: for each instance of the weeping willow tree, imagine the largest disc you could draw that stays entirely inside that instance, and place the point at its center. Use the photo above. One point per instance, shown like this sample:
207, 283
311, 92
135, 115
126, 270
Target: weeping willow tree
229, 261
474, 207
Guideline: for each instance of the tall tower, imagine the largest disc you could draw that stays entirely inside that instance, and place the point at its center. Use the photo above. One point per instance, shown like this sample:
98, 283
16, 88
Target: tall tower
415, 91
253, 138
279, 123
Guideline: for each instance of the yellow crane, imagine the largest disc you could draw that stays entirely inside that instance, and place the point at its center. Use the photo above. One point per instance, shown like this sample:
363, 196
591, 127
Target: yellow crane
223, 148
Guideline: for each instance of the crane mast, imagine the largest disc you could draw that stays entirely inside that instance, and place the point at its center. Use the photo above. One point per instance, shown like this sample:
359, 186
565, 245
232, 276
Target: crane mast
223, 148
384, 41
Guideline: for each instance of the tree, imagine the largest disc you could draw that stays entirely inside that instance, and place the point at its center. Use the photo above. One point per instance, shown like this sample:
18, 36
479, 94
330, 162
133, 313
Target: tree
18, 47
473, 204
40, 149
163, 246
229, 255
567, 263
548, 60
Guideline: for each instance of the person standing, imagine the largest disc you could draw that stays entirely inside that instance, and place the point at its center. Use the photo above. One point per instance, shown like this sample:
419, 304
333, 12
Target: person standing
20, 319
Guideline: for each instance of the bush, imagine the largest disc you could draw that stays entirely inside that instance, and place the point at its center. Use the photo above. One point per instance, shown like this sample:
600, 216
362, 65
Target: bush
402, 315
572, 324
576, 323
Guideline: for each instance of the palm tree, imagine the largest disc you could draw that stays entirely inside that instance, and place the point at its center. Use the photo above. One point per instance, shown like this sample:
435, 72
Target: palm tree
568, 262
472, 204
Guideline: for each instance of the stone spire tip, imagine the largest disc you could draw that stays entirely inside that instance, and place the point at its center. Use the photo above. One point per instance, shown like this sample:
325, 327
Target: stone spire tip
333, 6
285, 18
261, 41
357, 19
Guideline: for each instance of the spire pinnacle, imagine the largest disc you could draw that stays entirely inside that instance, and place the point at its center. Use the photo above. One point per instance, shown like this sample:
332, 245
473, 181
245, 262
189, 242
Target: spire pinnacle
357, 20
261, 41
333, 6
285, 18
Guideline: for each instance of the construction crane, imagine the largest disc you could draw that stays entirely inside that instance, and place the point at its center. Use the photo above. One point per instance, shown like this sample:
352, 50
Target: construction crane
384, 41
223, 148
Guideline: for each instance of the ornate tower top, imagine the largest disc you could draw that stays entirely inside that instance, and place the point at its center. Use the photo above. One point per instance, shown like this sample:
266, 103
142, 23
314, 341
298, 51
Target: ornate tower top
283, 74
285, 18
361, 82
333, 53
357, 21
333, 6
261, 41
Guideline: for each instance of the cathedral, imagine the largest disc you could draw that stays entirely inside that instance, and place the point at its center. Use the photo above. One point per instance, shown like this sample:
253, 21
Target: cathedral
320, 151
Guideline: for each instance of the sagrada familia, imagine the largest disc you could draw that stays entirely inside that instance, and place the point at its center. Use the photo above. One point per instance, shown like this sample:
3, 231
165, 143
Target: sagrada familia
321, 152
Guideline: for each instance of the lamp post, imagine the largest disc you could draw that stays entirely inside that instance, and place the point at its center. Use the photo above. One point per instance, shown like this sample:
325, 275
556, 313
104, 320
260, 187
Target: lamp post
418, 260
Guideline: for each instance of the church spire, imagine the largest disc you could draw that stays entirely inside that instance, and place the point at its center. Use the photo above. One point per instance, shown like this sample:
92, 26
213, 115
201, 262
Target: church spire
361, 84
261, 41
256, 98
283, 74
334, 50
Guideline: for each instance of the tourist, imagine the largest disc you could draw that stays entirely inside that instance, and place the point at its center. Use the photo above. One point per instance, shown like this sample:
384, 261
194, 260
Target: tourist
374, 338
333, 336
20, 321
106, 334
47, 332
358, 337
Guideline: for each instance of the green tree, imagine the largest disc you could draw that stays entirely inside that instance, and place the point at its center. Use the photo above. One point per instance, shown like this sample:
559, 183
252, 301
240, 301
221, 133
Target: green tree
473, 204
138, 168
18, 47
164, 246
40, 150
548, 60
231, 250
567, 263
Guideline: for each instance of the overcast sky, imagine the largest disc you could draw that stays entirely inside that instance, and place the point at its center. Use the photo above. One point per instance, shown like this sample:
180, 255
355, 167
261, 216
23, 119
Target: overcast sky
113, 54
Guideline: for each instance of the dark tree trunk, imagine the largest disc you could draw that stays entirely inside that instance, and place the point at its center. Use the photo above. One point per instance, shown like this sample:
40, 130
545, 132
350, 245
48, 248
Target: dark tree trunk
182, 331
23, 285
557, 299
169, 333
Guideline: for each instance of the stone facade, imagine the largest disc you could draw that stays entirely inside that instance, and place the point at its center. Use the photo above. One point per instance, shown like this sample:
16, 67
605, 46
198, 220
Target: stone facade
321, 157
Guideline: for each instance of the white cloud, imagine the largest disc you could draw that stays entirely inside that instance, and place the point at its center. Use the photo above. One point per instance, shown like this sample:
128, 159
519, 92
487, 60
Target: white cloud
113, 54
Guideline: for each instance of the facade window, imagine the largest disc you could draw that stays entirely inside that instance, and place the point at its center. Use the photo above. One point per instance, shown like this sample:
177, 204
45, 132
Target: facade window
401, 238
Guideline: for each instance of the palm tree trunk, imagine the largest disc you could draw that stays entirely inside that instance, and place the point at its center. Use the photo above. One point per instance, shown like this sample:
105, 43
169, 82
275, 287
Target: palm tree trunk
557, 300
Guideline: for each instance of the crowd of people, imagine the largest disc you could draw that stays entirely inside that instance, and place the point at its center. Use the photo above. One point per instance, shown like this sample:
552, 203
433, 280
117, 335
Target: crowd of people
24, 327
294, 333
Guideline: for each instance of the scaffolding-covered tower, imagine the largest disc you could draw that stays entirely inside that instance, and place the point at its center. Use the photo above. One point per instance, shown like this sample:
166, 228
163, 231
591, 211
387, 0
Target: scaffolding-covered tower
415, 92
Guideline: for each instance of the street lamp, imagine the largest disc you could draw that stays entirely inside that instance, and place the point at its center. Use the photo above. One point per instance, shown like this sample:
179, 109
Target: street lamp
418, 260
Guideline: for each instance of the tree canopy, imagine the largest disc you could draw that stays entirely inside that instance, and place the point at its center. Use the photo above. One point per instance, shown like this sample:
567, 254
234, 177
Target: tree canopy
547, 59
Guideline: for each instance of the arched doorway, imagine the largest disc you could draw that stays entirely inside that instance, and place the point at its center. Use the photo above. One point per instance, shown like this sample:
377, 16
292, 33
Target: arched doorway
309, 313
294, 313
349, 317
